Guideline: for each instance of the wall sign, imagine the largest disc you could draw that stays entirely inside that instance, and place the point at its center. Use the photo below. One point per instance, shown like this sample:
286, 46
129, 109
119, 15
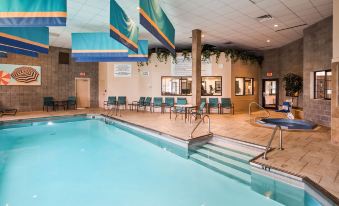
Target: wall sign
19, 75
82, 74
122, 70
145, 73
183, 67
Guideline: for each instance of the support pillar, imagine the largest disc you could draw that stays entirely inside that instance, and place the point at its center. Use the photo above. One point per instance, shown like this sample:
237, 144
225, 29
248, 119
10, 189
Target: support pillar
196, 67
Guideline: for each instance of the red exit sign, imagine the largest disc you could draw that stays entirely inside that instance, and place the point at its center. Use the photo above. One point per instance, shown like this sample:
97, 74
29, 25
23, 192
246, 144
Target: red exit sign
269, 74
82, 74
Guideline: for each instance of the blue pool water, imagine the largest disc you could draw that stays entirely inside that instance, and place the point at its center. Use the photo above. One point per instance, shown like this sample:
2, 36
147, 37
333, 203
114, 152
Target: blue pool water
90, 163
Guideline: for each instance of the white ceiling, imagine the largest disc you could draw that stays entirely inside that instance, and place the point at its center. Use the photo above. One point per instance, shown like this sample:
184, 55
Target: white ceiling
220, 20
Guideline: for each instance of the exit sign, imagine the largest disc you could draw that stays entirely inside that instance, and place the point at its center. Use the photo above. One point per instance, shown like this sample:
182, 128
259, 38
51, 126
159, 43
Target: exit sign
82, 74
269, 74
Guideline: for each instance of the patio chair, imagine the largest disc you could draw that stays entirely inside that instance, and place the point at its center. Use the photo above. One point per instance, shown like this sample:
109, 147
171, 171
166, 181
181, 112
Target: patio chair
213, 103
157, 103
226, 103
205, 101
197, 112
146, 103
137, 104
72, 102
111, 101
169, 103
178, 110
122, 102
7, 111
48, 102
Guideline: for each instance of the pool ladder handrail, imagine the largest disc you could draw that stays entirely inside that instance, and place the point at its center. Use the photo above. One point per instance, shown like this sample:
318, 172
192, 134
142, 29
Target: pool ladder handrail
203, 120
268, 114
115, 110
268, 147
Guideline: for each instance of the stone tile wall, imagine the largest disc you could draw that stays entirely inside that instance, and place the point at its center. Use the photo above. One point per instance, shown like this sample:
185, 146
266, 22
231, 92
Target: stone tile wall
57, 81
317, 56
280, 61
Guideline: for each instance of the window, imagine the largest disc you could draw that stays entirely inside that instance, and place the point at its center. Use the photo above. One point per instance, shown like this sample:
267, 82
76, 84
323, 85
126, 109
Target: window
322, 84
182, 86
244, 86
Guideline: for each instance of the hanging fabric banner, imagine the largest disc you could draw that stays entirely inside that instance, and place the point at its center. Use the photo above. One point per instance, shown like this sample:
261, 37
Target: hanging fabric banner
35, 13
35, 39
122, 28
154, 19
3, 54
141, 56
94, 45
16, 50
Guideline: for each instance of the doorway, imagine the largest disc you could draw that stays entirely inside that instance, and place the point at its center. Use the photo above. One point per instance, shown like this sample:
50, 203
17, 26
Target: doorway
270, 93
83, 92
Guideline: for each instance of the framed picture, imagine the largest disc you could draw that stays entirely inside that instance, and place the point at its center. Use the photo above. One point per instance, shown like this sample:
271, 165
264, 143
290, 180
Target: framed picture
217, 86
22, 75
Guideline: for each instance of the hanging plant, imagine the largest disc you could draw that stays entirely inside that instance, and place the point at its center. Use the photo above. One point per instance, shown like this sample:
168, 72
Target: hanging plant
186, 54
206, 55
217, 55
244, 56
174, 58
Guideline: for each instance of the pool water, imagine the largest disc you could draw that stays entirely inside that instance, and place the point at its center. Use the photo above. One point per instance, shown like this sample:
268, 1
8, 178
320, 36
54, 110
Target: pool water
91, 163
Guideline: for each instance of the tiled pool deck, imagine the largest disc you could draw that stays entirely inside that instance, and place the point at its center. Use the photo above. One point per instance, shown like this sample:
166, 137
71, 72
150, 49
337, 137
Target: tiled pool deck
308, 154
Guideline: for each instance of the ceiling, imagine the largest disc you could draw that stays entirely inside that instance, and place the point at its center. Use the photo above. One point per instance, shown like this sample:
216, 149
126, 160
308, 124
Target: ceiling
224, 23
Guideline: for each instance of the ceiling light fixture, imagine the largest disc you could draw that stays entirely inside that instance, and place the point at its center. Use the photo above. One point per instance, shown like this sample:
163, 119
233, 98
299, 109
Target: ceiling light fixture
276, 25
268, 41
202, 35
138, 8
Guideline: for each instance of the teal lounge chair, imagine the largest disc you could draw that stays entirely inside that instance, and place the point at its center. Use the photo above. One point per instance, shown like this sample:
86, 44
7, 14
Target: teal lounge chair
72, 102
213, 103
169, 103
137, 104
145, 104
198, 112
122, 102
48, 102
178, 110
111, 101
226, 103
157, 103
205, 101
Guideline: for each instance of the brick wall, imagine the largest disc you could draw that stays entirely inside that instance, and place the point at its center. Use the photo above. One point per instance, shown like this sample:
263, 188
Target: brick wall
317, 56
57, 81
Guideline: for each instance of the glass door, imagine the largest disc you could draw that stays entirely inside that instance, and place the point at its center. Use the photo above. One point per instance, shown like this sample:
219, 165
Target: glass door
270, 93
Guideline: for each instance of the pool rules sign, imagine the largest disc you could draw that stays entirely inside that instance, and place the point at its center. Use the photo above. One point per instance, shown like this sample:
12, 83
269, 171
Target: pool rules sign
122, 70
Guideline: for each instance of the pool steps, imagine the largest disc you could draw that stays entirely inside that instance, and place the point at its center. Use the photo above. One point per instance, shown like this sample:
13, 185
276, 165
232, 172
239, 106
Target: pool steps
228, 162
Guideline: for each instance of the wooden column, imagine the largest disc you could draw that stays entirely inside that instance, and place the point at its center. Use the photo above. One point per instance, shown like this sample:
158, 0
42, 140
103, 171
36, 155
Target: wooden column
196, 67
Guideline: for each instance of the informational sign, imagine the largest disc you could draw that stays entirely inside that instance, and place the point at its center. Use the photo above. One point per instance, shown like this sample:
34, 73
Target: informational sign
145, 73
19, 75
183, 67
122, 70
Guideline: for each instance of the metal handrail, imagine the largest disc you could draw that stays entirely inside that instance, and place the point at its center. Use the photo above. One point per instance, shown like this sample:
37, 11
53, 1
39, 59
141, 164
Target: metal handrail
202, 120
260, 109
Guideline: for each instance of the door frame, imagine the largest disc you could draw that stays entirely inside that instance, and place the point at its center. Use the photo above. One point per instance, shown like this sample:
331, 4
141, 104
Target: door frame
89, 89
277, 93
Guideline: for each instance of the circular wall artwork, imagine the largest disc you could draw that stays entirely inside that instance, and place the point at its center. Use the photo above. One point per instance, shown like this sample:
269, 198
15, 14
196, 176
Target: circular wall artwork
25, 74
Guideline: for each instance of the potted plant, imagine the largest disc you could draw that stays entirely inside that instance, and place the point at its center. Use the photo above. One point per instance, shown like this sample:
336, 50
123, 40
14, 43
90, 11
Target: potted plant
293, 85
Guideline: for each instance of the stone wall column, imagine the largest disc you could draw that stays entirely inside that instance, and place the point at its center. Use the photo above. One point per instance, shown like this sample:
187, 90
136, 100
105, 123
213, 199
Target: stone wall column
196, 66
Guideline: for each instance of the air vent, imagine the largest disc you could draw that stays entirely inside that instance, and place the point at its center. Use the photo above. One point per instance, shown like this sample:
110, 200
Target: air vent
264, 18
292, 27
63, 58
228, 43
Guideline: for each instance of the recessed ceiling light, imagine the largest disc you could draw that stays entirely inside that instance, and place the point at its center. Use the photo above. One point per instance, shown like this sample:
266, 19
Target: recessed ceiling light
138, 8
276, 25
268, 41
202, 35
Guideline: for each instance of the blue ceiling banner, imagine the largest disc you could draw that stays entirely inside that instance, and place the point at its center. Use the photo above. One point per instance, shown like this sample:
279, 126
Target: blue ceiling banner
33, 13
141, 56
3, 54
154, 19
94, 45
15, 50
123, 28
35, 39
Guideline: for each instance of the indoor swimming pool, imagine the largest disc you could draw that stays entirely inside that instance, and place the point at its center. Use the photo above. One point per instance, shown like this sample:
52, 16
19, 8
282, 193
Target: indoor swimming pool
84, 161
